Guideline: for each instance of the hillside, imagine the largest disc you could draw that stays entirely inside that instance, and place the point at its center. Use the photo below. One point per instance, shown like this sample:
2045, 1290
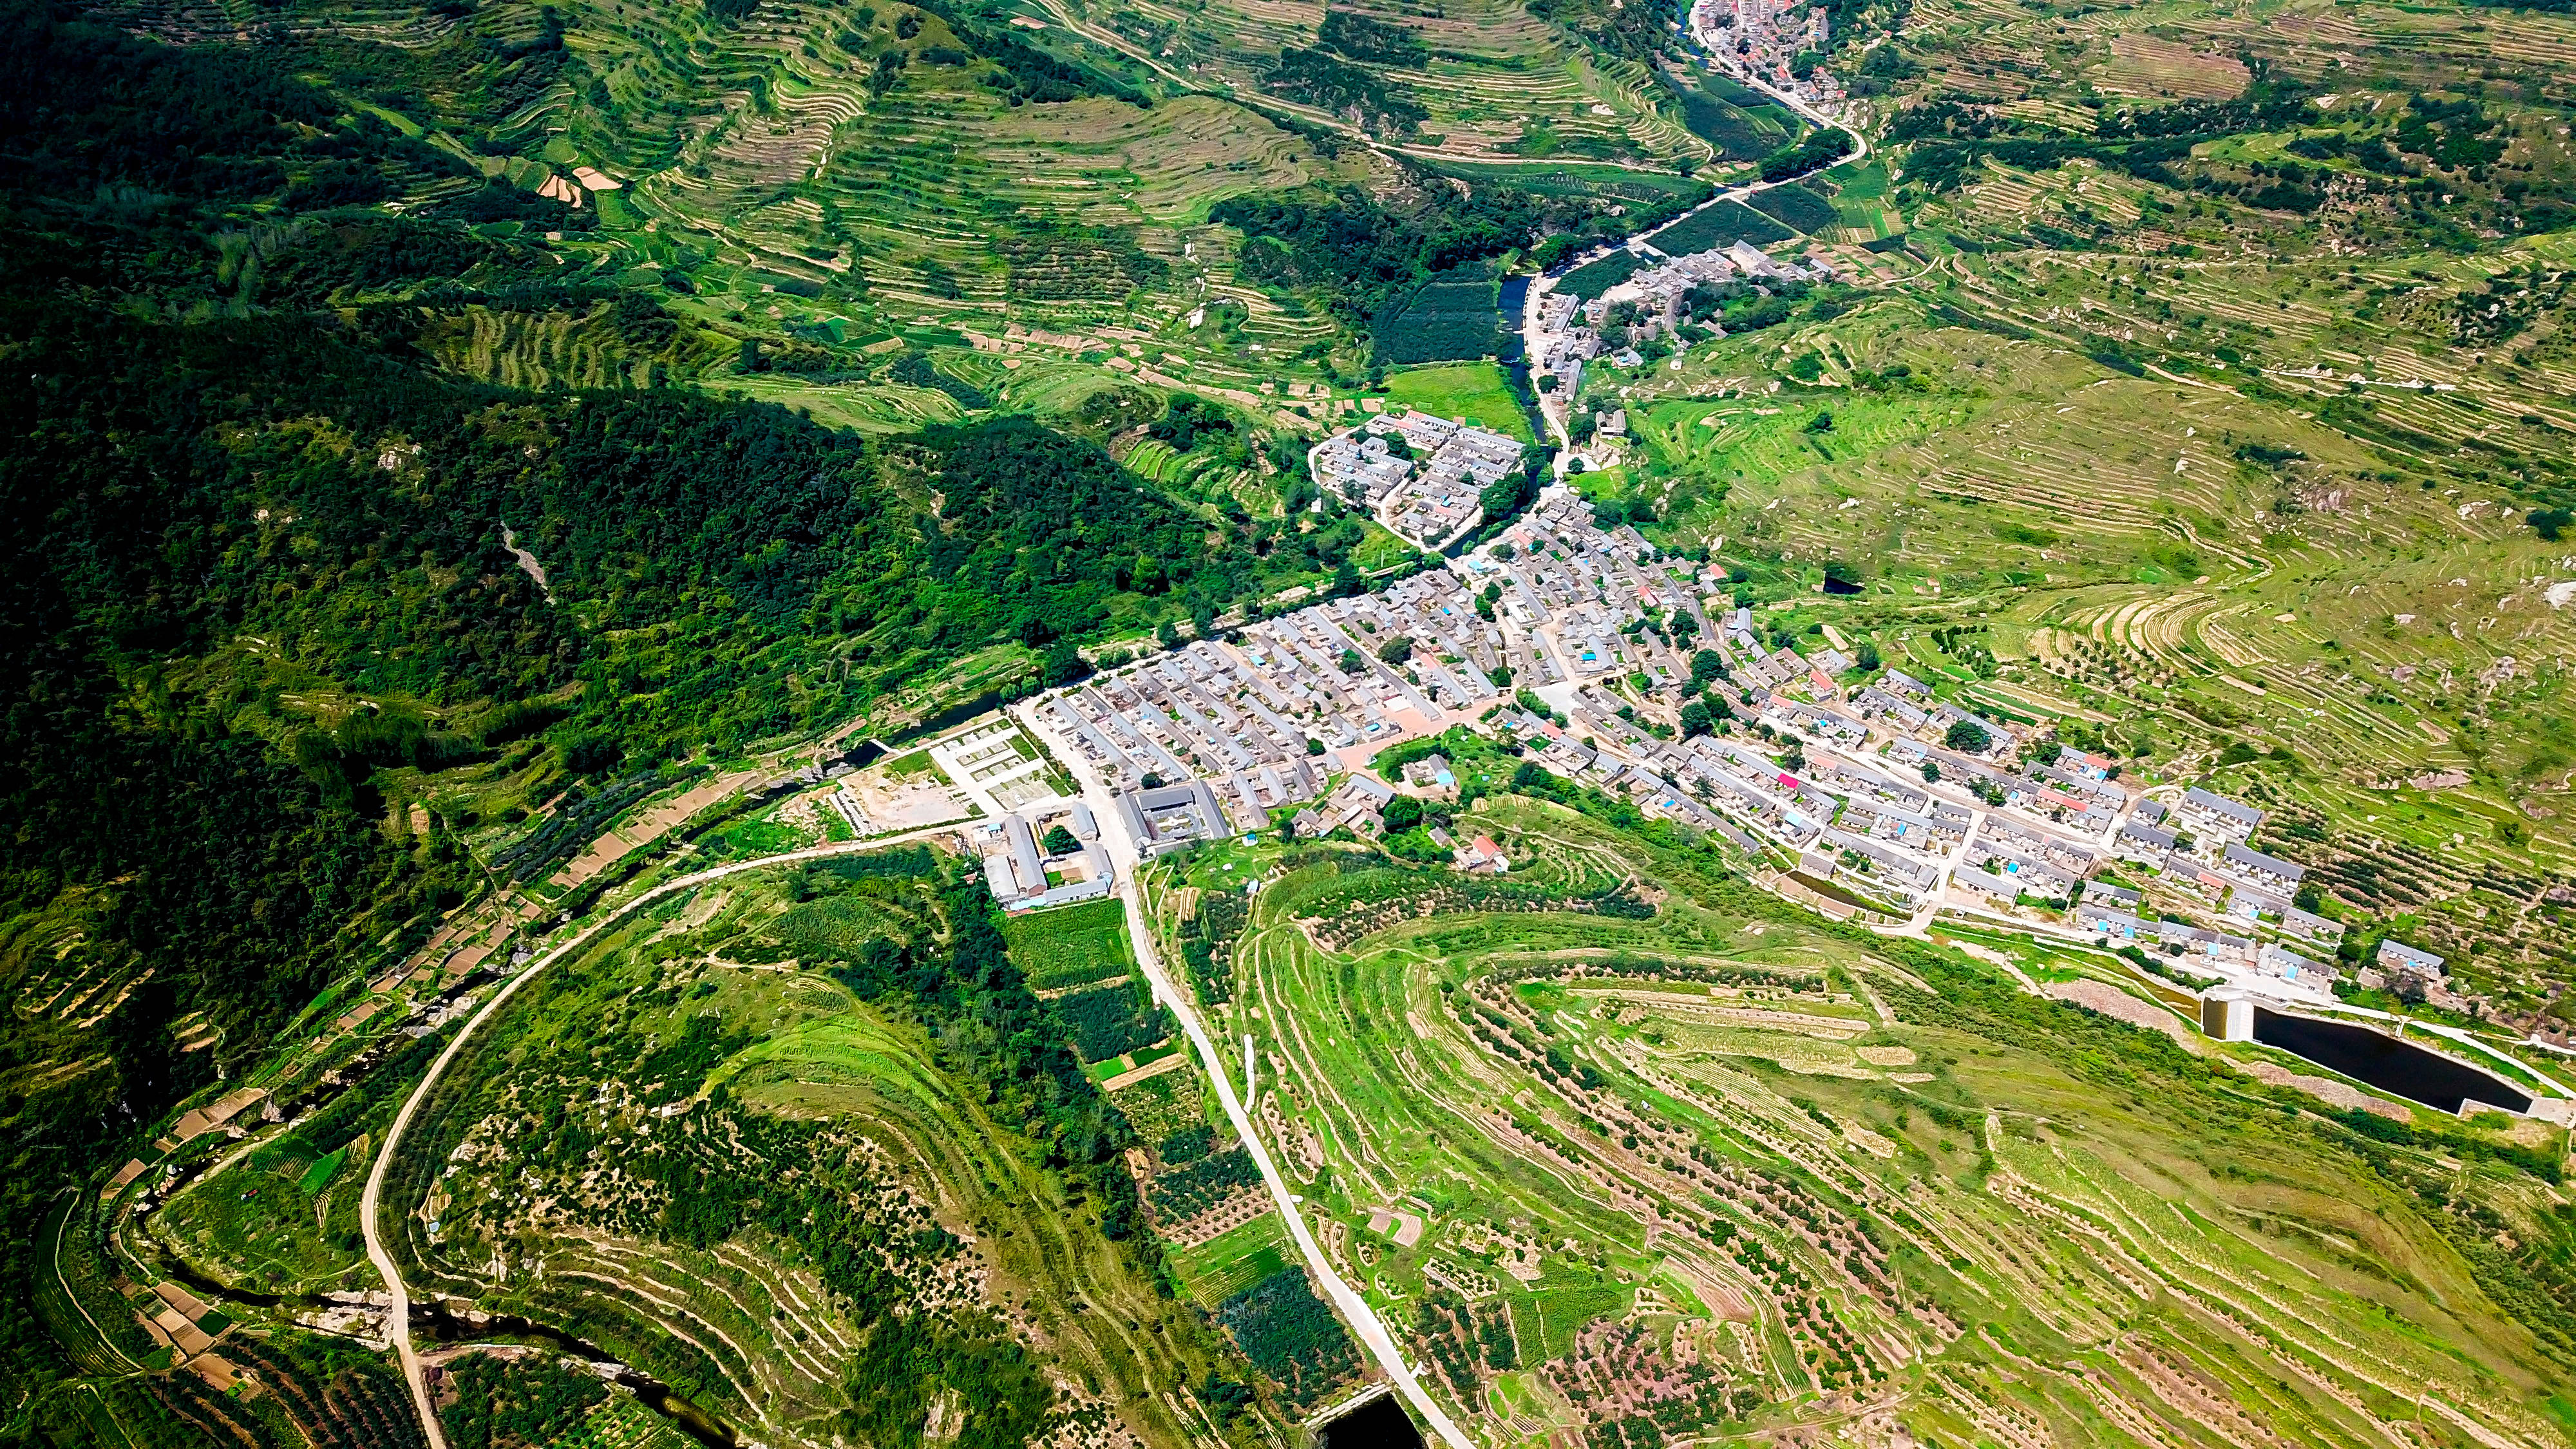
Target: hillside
536, 532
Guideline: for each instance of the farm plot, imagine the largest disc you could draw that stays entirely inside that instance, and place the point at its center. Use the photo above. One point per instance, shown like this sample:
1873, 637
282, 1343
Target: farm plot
1738, 134
1474, 392
1746, 1162
1450, 317
1601, 274
1075, 945
1722, 225
1794, 207
1861, 204
1109, 1021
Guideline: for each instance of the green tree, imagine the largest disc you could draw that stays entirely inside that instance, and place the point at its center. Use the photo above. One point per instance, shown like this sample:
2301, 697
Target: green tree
1401, 813
1351, 662
1060, 841
1506, 496
1707, 666
1061, 663
1695, 720
1968, 737
1396, 650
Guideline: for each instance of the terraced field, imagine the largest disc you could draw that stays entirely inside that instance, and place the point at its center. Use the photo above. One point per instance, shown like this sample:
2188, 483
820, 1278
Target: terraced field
1727, 1171
2177, 559
631, 1213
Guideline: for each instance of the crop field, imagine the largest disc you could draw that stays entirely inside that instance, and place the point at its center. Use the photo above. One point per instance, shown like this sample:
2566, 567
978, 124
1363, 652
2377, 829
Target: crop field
1108, 1022
1721, 225
1598, 276
1742, 125
1451, 317
1224, 1266
1475, 392
1794, 207
1729, 1170
1860, 199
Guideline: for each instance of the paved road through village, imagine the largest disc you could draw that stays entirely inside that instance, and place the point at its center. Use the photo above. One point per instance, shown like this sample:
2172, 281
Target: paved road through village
1354, 1309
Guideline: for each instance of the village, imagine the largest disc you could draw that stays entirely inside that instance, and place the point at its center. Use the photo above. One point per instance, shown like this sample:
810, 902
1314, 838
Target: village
1610, 663
1763, 41
1663, 308
1422, 477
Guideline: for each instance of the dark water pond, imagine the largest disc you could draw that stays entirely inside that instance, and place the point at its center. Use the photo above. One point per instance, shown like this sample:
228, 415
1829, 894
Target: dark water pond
2387, 1063
1381, 1423
955, 714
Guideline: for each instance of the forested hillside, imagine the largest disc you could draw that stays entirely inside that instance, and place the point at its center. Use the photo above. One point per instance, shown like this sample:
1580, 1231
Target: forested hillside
259, 568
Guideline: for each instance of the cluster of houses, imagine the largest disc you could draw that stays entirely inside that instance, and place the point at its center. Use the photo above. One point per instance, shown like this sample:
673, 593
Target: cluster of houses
1215, 737
1764, 38
1577, 603
1024, 875
1654, 301
1902, 704
1264, 718
1421, 476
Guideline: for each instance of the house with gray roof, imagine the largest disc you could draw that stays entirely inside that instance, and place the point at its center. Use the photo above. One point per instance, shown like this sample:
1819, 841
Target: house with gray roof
2398, 956
2217, 815
2312, 926
2269, 870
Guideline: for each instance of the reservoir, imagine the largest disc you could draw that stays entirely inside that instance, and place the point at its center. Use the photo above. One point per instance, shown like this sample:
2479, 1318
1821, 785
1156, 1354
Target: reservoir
2387, 1063
1381, 1423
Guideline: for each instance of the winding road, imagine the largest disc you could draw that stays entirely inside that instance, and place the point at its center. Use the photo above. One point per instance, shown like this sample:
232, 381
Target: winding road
398, 1315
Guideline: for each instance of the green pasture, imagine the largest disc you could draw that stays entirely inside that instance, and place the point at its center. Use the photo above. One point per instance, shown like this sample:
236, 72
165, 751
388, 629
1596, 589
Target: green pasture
1071, 945
1476, 392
